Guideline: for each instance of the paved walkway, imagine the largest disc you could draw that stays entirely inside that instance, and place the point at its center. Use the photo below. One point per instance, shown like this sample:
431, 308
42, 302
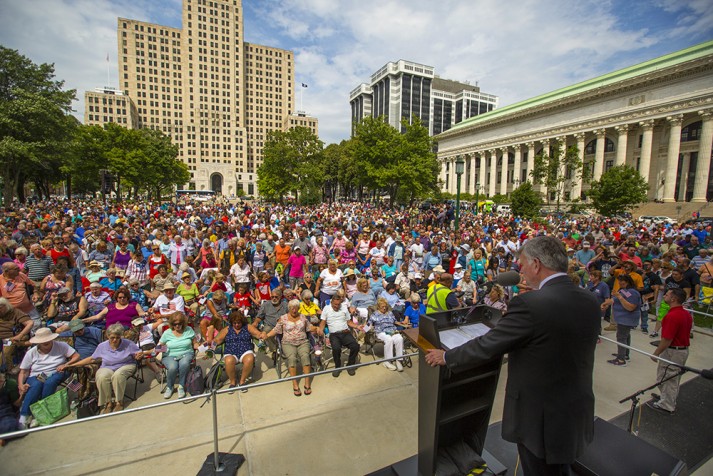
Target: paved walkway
349, 425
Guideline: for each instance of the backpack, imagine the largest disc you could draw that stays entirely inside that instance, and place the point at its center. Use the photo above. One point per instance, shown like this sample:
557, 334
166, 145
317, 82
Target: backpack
195, 385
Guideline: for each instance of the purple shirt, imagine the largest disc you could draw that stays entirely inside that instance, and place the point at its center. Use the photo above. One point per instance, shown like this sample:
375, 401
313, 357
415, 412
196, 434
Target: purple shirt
122, 316
114, 359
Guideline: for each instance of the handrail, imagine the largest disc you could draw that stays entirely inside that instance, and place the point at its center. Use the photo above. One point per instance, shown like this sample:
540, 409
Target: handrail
190, 399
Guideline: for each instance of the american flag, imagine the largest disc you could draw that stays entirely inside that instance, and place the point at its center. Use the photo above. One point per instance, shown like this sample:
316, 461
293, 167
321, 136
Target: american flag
74, 385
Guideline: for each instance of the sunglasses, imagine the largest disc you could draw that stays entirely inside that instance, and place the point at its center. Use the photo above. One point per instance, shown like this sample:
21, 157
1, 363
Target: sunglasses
176, 324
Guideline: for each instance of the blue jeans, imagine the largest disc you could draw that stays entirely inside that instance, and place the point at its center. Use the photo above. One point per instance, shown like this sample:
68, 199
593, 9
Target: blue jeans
39, 390
180, 365
645, 320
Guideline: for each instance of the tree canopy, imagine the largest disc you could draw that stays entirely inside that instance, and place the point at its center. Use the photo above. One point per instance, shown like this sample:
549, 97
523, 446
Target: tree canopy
525, 201
619, 189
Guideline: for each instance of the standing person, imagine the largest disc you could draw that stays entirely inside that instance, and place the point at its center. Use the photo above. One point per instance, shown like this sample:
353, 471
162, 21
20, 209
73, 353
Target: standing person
626, 312
540, 383
675, 340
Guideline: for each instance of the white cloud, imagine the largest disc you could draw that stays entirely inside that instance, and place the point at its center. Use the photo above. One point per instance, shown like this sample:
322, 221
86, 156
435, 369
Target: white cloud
513, 49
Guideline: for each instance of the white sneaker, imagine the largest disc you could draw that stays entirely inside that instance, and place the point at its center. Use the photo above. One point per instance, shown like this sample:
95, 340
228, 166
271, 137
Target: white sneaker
167, 394
24, 424
399, 367
181, 392
389, 366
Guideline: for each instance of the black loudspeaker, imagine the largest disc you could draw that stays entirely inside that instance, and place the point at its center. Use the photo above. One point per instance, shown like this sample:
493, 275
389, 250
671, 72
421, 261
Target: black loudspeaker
616, 452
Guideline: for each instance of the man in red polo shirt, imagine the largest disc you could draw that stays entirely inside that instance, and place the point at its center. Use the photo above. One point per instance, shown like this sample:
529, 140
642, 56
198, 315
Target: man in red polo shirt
675, 340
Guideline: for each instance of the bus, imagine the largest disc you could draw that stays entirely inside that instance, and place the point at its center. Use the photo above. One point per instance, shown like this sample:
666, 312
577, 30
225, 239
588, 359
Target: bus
195, 195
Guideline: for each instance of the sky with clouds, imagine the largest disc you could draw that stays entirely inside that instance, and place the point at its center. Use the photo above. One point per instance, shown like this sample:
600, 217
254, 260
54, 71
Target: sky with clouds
514, 50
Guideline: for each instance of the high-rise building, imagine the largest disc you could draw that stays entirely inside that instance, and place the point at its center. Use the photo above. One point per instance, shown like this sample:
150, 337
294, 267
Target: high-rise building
104, 105
214, 94
403, 89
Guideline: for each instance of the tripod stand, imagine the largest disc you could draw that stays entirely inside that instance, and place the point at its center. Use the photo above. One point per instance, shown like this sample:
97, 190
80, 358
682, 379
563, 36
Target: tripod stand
635, 397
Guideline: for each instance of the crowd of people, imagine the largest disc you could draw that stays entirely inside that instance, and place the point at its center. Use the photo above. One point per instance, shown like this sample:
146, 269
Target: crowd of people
124, 282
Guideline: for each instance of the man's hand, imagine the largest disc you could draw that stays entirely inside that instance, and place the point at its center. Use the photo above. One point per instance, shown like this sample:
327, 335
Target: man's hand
23, 388
434, 357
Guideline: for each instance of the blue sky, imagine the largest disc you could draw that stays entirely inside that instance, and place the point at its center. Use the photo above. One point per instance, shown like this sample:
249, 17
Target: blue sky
515, 50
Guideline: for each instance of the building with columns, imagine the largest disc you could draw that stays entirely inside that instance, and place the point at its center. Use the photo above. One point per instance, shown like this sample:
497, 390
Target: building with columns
655, 116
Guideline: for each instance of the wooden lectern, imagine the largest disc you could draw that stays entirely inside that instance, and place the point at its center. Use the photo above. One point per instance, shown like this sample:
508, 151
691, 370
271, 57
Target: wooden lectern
452, 407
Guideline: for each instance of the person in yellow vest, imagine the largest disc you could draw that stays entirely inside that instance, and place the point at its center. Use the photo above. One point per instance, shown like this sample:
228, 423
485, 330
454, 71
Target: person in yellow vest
440, 297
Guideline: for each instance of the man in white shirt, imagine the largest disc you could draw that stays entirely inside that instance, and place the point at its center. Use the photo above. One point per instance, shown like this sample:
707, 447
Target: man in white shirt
337, 318
168, 302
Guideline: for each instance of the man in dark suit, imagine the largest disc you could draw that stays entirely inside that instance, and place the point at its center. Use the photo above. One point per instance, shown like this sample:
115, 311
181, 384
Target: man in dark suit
550, 334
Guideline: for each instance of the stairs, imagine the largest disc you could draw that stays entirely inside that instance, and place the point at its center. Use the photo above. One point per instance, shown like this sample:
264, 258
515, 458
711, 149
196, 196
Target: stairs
680, 211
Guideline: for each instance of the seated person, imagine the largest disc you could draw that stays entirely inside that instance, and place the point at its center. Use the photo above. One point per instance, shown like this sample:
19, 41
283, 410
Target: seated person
42, 370
188, 290
238, 347
390, 295
168, 302
94, 272
294, 328
413, 311
86, 340
309, 308
269, 312
243, 299
496, 298
97, 299
363, 298
385, 324
181, 342
122, 311
12, 319
469, 289
110, 282
65, 306
118, 362
213, 328
161, 280
215, 307
10, 402
139, 295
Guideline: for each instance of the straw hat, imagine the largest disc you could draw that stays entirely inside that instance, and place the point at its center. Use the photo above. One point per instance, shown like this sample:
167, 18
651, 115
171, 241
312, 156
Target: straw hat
43, 335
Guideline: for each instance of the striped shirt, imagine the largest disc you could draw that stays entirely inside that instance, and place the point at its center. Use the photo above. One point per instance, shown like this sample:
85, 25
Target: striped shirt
38, 268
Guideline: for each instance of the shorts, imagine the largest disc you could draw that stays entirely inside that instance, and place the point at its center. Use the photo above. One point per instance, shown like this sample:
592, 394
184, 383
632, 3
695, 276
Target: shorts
241, 357
292, 352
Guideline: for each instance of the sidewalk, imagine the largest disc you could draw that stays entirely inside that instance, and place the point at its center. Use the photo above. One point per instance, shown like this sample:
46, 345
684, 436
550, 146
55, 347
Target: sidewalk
349, 425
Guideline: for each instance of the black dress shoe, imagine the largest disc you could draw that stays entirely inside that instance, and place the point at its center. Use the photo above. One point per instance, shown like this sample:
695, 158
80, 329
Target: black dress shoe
336, 373
351, 372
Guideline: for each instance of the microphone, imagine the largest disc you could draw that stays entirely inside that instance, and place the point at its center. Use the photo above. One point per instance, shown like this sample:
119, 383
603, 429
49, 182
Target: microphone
705, 373
508, 278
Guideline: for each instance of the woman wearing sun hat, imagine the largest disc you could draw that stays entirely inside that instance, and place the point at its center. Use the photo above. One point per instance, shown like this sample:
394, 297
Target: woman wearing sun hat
42, 370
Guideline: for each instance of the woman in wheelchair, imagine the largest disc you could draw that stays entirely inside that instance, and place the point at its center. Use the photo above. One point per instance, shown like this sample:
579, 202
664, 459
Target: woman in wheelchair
309, 308
295, 343
238, 347
385, 324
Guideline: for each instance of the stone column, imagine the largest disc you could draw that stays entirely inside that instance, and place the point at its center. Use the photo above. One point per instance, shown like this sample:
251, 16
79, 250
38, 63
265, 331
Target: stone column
646, 146
504, 171
472, 160
577, 181
545, 151
599, 154
705, 143
674, 147
493, 169
517, 179
481, 174
442, 175
623, 131
530, 161
683, 179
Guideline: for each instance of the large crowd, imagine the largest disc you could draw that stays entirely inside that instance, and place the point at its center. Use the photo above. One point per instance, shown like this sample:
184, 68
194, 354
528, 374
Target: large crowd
92, 290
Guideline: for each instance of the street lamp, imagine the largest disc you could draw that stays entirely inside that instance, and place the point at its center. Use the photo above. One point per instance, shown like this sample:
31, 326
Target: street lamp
460, 165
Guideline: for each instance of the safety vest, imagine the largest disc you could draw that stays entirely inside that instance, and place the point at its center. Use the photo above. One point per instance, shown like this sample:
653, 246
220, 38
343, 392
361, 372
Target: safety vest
436, 299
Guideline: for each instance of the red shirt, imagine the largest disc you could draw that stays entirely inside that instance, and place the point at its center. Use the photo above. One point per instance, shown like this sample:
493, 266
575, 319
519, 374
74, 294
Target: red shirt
54, 254
676, 327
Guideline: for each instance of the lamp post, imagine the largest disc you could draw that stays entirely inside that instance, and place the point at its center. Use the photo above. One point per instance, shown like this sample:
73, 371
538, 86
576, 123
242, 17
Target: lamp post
477, 198
460, 165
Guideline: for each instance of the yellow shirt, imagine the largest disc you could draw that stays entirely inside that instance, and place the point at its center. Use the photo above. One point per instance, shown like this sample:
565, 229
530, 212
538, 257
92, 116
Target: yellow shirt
308, 309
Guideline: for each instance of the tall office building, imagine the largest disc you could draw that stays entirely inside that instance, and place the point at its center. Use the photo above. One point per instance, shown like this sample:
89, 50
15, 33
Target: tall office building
214, 94
404, 89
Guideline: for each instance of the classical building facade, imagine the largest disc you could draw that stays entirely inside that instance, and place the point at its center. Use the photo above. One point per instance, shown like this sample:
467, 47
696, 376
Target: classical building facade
655, 116
216, 95
402, 89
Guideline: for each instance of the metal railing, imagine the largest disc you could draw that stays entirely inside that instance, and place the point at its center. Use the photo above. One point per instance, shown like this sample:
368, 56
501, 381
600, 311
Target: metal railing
208, 396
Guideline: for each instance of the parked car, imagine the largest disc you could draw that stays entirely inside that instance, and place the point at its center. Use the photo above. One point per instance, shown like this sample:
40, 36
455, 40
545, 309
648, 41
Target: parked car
656, 220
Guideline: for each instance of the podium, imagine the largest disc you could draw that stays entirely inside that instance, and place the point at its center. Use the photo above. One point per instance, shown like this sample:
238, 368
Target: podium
453, 408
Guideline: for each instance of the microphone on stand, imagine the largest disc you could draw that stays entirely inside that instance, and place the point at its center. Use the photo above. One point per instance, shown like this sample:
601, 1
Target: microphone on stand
508, 278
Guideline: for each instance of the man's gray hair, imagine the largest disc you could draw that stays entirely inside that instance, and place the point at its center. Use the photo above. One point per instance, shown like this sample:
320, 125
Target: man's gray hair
548, 250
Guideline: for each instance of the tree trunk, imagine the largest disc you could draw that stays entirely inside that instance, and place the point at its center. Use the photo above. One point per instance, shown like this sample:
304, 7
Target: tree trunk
9, 186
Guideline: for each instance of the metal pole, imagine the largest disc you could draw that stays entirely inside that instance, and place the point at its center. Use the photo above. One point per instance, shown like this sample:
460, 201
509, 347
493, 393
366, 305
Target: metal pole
216, 457
477, 198
457, 203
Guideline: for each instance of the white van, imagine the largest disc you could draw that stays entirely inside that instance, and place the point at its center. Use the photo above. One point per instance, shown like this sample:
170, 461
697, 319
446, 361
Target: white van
504, 209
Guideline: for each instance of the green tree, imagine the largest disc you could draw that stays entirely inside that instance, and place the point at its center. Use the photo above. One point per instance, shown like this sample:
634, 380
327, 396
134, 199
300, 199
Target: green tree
525, 201
499, 198
292, 162
33, 120
619, 189
402, 165
86, 158
554, 169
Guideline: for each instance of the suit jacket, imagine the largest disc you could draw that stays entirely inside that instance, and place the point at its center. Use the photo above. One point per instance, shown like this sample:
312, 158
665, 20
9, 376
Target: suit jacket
550, 336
